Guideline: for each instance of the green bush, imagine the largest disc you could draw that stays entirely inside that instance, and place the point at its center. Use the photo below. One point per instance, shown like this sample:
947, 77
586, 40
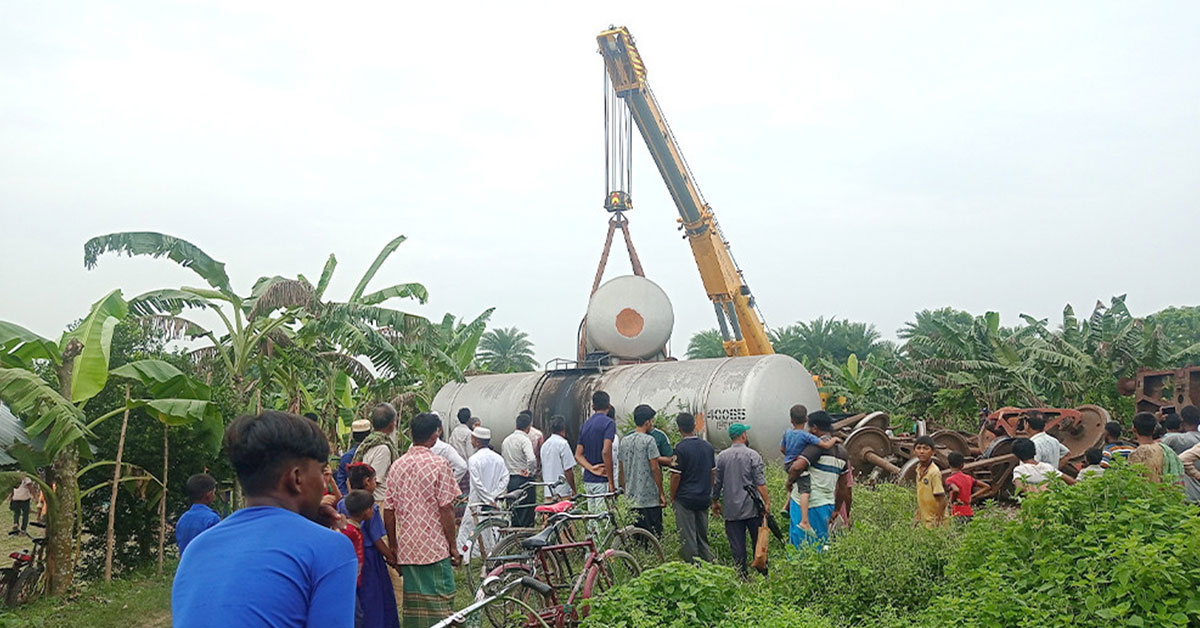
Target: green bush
673, 595
753, 614
883, 564
1115, 550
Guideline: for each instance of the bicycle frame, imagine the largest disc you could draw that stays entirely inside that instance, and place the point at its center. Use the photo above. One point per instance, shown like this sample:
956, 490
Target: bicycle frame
460, 617
558, 613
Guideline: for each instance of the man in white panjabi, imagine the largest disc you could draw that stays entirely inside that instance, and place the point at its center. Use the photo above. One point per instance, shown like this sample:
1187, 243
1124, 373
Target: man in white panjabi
489, 481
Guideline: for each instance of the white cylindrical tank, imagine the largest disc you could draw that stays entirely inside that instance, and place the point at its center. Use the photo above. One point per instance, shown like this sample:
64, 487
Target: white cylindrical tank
755, 390
629, 317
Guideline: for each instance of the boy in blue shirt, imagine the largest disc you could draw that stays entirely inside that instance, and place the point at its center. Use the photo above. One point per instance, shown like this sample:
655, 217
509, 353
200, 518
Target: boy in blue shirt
202, 490
793, 443
275, 562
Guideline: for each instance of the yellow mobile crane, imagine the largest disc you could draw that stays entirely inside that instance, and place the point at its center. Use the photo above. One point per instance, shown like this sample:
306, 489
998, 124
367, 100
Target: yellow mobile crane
741, 326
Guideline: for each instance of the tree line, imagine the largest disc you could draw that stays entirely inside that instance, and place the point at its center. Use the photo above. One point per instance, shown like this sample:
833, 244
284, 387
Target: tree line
949, 364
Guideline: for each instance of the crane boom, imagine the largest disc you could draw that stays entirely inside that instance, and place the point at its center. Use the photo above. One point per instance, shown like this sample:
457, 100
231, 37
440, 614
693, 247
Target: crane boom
741, 327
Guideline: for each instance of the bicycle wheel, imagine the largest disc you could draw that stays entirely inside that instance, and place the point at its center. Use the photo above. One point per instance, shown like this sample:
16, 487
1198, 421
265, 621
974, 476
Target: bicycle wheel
482, 541
27, 588
507, 550
641, 544
6, 579
503, 613
614, 569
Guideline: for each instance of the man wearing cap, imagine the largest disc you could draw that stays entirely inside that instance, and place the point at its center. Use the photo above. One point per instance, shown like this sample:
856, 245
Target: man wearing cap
737, 468
640, 474
358, 431
829, 478
489, 480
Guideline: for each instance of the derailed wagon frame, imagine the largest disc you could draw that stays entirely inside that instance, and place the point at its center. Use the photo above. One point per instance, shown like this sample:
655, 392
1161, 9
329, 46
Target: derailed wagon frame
876, 455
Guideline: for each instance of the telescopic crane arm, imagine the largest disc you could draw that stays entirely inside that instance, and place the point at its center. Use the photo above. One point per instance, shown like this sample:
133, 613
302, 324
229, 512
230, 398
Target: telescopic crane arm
741, 327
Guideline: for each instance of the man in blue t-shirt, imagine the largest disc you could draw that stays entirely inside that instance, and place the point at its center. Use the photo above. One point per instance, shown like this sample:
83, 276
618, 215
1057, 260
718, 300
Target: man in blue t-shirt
202, 490
594, 452
276, 562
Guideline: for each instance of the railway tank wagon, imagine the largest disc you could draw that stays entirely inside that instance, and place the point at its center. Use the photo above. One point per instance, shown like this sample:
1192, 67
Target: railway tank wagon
755, 390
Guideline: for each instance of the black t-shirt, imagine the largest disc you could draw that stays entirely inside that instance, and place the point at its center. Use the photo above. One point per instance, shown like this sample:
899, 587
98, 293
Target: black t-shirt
695, 460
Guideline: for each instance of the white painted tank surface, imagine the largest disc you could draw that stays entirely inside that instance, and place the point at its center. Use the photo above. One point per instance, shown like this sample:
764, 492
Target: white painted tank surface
629, 317
755, 390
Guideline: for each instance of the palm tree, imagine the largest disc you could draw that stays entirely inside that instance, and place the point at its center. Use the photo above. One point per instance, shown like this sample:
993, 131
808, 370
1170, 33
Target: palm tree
506, 350
834, 340
706, 344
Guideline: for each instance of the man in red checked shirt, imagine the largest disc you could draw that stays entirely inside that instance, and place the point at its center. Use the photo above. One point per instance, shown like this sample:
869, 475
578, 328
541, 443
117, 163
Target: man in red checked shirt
421, 491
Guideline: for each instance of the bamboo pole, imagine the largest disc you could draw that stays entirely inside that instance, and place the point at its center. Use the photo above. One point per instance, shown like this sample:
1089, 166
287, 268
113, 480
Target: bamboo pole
109, 538
162, 504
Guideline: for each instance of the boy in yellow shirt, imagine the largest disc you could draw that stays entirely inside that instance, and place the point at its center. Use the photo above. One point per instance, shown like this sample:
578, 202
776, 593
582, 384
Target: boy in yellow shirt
931, 495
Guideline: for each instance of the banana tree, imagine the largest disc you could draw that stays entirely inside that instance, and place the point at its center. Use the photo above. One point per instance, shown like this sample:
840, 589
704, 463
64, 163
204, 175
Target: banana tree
80, 361
851, 384
448, 355
247, 321
173, 398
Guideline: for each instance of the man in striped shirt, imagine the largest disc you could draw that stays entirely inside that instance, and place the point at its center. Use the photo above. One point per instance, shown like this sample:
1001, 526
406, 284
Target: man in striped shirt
830, 473
1114, 445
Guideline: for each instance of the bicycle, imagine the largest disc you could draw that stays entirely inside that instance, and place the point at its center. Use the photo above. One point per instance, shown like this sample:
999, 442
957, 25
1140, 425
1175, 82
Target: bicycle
460, 618
22, 582
491, 519
639, 542
602, 570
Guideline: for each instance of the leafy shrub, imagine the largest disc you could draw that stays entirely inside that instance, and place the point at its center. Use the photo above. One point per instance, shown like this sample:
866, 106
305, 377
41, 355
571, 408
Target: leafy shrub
1114, 550
883, 564
753, 614
673, 595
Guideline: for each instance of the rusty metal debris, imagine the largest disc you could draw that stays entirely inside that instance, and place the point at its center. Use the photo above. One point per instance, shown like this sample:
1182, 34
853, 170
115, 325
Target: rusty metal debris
877, 455
1155, 390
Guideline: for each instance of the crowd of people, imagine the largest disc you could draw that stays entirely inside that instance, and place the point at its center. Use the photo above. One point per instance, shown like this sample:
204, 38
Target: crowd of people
1165, 444
393, 525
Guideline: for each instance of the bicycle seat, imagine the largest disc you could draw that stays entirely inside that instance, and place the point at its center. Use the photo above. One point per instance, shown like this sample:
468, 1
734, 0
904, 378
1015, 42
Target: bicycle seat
39, 541
554, 509
539, 540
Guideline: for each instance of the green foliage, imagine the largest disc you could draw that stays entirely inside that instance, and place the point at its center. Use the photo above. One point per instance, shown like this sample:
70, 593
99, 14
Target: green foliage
674, 595
44, 410
705, 345
854, 382
90, 369
834, 340
1113, 550
153, 244
883, 563
19, 347
139, 352
506, 350
952, 363
757, 614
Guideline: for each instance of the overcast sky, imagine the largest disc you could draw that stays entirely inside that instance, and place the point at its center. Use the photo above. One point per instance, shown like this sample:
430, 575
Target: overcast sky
866, 160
